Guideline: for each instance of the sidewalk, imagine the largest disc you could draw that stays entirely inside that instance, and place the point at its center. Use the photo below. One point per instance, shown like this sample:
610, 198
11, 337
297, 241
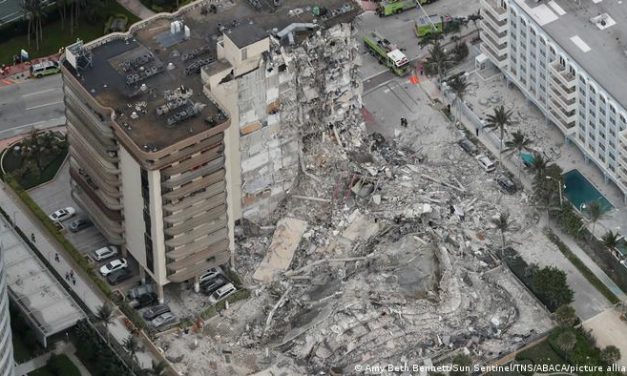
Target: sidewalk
137, 8
491, 142
92, 297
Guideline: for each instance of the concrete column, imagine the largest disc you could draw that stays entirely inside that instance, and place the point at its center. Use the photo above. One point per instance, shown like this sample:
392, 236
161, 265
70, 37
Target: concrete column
566, 139
605, 178
160, 294
142, 274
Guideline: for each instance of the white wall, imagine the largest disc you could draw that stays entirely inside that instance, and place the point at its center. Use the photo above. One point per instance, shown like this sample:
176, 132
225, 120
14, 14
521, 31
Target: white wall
133, 207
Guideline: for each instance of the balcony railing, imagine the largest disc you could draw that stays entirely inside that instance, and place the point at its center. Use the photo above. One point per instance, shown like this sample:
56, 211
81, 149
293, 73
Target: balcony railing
500, 46
566, 105
563, 74
494, 7
498, 60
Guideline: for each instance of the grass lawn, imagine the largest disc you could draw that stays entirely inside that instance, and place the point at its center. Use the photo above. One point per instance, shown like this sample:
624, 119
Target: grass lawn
542, 353
12, 162
55, 37
64, 364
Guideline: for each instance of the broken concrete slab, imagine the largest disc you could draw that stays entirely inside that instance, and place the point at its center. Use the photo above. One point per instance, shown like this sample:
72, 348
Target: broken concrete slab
287, 236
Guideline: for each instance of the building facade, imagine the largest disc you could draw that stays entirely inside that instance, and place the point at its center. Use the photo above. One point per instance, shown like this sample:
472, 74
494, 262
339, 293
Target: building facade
7, 364
555, 53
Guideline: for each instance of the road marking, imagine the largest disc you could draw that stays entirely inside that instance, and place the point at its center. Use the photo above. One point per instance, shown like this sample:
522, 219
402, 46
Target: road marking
43, 105
38, 92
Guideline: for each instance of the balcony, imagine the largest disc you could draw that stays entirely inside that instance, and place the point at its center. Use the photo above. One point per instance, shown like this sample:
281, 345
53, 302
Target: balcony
496, 25
494, 8
498, 37
498, 45
565, 122
500, 60
566, 105
563, 75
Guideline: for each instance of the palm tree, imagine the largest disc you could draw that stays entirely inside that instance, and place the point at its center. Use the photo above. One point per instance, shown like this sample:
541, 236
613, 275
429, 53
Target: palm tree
566, 316
517, 143
33, 13
62, 7
501, 223
438, 61
499, 120
105, 316
610, 239
131, 345
158, 368
459, 85
566, 341
594, 212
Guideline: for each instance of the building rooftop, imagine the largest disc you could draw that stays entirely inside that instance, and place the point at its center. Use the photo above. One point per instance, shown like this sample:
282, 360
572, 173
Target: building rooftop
597, 44
246, 35
151, 77
34, 288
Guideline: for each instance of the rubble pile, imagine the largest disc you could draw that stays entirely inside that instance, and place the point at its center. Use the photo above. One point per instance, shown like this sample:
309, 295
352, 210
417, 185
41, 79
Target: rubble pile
392, 254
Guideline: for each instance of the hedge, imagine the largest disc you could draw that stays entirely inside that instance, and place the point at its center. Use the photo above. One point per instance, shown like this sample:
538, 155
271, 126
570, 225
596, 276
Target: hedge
219, 306
583, 269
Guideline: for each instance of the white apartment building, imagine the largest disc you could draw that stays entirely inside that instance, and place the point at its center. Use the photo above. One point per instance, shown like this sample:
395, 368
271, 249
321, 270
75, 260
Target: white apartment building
569, 58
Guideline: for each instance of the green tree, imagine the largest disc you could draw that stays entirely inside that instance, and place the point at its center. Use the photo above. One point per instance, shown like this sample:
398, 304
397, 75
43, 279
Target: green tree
33, 13
518, 143
610, 354
610, 239
131, 345
566, 341
501, 224
459, 85
105, 316
462, 362
566, 316
594, 212
438, 62
550, 286
500, 120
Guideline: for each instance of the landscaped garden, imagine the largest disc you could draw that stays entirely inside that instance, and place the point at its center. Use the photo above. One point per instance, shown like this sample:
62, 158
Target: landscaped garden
57, 365
60, 27
36, 159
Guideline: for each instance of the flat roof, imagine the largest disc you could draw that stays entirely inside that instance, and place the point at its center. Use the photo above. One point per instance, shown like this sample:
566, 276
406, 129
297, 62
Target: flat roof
33, 286
600, 51
245, 35
162, 60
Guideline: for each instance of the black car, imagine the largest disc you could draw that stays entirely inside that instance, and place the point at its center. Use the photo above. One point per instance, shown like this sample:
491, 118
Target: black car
144, 301
79, 224
155, 311
212, 285
118, 276
468, 146
506, 184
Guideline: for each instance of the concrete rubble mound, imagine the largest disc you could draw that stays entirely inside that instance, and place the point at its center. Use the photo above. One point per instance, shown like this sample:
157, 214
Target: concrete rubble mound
391, 255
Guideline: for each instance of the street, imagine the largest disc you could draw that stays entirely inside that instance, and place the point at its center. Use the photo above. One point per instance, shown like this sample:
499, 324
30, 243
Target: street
33, 104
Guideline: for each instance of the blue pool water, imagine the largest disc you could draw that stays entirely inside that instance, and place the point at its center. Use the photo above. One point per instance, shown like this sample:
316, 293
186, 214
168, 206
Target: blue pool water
580, 191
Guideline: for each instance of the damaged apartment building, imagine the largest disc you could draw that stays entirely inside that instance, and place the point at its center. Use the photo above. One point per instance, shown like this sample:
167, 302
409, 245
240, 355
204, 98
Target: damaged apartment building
178, 129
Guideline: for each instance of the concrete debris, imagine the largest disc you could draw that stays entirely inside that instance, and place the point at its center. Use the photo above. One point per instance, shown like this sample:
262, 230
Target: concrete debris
380, 254
285, 240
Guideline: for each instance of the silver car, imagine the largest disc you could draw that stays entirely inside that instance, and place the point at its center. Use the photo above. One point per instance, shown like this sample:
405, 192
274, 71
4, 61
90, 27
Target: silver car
164, 321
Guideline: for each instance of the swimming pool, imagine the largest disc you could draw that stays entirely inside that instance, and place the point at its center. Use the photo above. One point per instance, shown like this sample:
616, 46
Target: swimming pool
580, 191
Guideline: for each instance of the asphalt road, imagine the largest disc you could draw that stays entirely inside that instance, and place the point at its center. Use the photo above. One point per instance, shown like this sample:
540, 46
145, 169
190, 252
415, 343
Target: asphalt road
34, 104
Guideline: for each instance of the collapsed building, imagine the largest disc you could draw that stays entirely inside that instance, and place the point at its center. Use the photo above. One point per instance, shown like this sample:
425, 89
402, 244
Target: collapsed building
361, 251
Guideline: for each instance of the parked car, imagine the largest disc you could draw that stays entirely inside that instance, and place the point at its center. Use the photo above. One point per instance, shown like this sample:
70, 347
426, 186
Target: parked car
62, 214
164, 321
141, 290
79, 224
485, 163
210, 286
222, 293
112, 266
143, 301
155, 311
45, 68
210, 274
105, 253
119, 276
468, 146
506, 184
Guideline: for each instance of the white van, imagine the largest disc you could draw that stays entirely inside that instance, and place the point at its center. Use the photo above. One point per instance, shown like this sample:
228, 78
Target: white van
44, 68
485, 163
105, 252
222, 293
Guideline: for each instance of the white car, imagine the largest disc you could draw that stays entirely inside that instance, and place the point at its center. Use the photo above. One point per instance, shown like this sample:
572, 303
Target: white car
62, 214
222, 293
105, 252
112, 266
485, 163
210, 274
